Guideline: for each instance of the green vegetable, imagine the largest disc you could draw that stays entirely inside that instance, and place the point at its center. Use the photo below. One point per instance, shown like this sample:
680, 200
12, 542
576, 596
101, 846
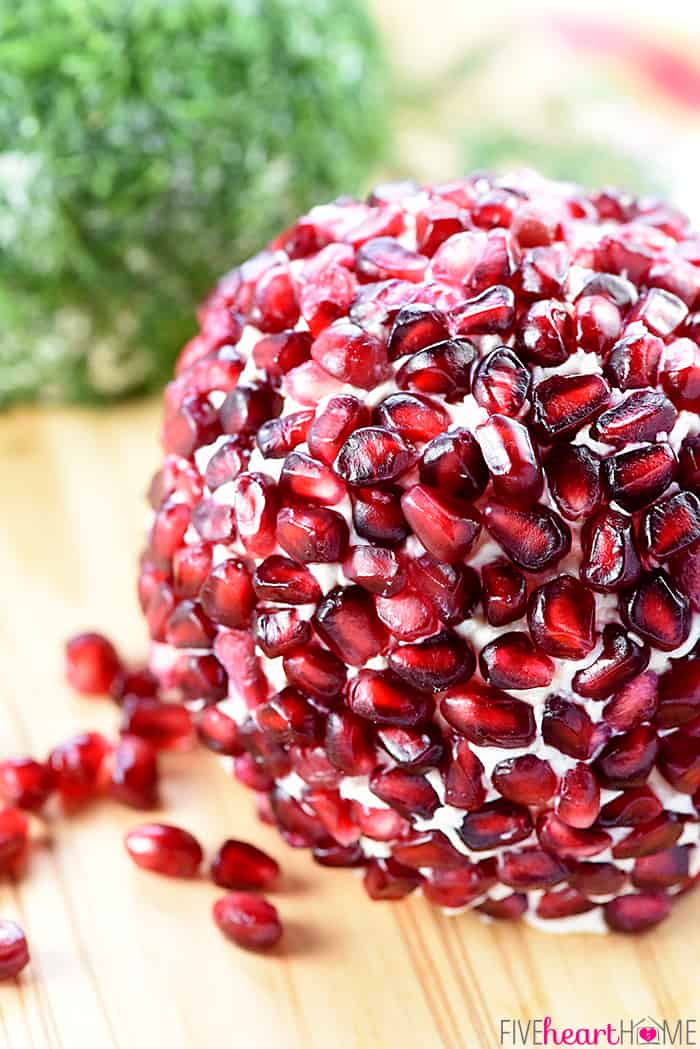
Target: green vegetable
148, 145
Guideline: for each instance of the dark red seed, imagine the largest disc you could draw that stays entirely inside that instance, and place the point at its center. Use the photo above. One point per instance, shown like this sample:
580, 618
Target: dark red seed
286, 581
428, 849
567, 727
510, 908
573, 474
621, 659
640, 416
453, 463
634, 702
680, 373
511, 459
596, 879
277, 437
332, 427
219, 732
489, 313
657, 611
193, 423
25, 783
636, 912
570, 843
527, 780
638, 477
349, 743
385, 700
373, 455
376, 569
610, 559
457, 888
495, 825
689, 462
406, 791
501, 382
255, 504
315, 670
386, 879
649, 838
309, 480
563, 404
561, 618
578, 804
534, 538
166, 726
685, 570
14, 841
189, 627
635, 806
78, 767
679, 693
288, 717
597, 323
377, 515
312, 534
662, 870
679, 761
443, 368
511, 661
134, 773
229, 459
92, 664
415, 417
165, 849
464, 782
347, 622
351, 355
227, 595
633, 362
487, 716
435, 663
14, 952
191, 566
504, 592
247, 407
240, 865
248, 921
415, 327
413, 748
530, 868
627, 760
281, 351
546, 332
670, 525
279, 631
447, 528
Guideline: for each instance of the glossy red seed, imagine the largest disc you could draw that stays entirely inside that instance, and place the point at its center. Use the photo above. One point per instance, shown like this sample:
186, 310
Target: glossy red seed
621, 659
255, 504
511, 460
332, 427
680, 373
384, 258
227, 596
288, 717
597, 323
134, 773
689, 463
636, 912
406, 791
447, 528
535, 538
662, 870
164, 849
509, 908
657, 611
376, 569
166, 726
415, 327
679, 761
14, 951
530, 868
464, 778
248, 921
413, 748
670, 525
316, 671
634, 702
193, 423
570, 843
349, 743
312, 534
453, 464
561, 618
634, 806
649, 838
92, 664
279, 631
633, 362
309, 480
504, 592
14, 841
347, 622
610, 559
578, 804
487, 716
191, 566
386, 879
679, 693
279, 579
428, 849
685, 571
373, 455
640, 416
240, 865
337, 816
277, 437
351, 355
452, 589
284, 350
546, 332
247, 407
377, 515
189, 627
495, 825
567, 727
457, 888
25, 783
384, 699
563, 404
416, 417
219, 732
443, 368
637, 477
573, 474
408, 616
456, 258
596, 879
78, 767
627, 760
501, 382
511, 661
435, 663
527, 779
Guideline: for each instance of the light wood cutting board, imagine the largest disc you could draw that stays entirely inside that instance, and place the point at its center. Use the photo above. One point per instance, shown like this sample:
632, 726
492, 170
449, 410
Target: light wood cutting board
126, 960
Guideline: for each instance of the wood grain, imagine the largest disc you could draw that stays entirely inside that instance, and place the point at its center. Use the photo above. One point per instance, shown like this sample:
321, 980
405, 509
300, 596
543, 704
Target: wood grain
127, 960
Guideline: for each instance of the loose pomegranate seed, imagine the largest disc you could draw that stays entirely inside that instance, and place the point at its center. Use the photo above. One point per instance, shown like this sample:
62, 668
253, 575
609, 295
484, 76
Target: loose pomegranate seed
561, 618
563, 404
349, 743
511, 460
443, 368
316, 671
433, 664
531, 868
25, 783
347, 622
621, 659
373, 455
248, 920
464, 783
14, 952
312, 534
487, 716
219, 732
657, 611
92, 664
385, 700
134, 773
634, 361
429, 849
164, 849
505, 592
227, 595
408, 615
376, 569
567, 727
386, 879
239, 865
534, 538
636, 912
527, 780
501, 382
513, 662
610, 558
415, 327
14, 841
495, 825
78, 767
670, 525
638, 417
413, 748
415, 417
447, 528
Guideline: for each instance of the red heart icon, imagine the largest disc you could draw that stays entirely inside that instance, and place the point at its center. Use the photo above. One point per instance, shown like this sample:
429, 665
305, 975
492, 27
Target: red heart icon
647, 1033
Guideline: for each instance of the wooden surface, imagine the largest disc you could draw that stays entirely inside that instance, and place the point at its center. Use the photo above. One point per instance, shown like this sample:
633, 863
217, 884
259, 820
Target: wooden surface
125, 959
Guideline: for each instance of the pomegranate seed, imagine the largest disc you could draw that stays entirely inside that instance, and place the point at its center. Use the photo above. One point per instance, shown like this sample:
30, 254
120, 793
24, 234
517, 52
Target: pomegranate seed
312, 764
227, 596
635, 806
447, 528
443, 368
247, 407
239, 865
569, 843
312, 534
636, 478
563, 903
251, 774
567, 727
134, 773
534, 538
332, 427
307, 479
453, 589
510, 908
489, 313
617, 289
649, 838
597, 323
376, 569
381, 824
347, 622
563, 404
573, 474
634, 361
636, 912
412, 415
527, 780
533, 226
168, 530
164, 849
435, 223
505, 592
428, 849
14, 841
14, 952
596, 879
456, 258
277, 437
282, 351
685, 570
679, 761
281, 579
453, 463
92, 664
433, 664
25, 783
408, 615
384, 258
385, 700
531, 868
159, 607
413, 748
255, 504
191, 566
657, 611
513, 662
679, 693
373, 455
175, 476
199, 677
189, 627
78, 767
634, 702
495, 825
579, 797
219, 732
408, 792
627, 760
279, 631
386, 879
501, 382
327, 297
610, 559
337, 816
670, 525
193, 423
511, 460
544, 270
689, 463
316, 671
351, 355
621, 659
638, 417
415, 327
561, 618
349, 743
229, 459
457, 888
309, 383
662, 870
464, 784
680, 373
377, 515
214, 521
488, 717
248, 921
546, 332
288, 717
660, 311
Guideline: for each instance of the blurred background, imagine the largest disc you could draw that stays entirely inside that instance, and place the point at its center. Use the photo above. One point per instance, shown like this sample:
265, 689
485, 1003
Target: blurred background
147, 147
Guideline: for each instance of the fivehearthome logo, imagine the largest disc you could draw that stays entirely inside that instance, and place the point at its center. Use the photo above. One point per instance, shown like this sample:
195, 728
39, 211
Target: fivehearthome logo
645, 1031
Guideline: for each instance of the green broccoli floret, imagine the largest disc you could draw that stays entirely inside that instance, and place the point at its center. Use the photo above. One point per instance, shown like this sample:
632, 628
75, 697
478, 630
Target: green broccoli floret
148, 145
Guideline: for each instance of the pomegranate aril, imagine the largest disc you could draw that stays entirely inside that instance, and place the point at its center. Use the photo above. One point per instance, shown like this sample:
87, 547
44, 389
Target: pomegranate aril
351, 355
660, 311
464, 782
164, 849
679, 761
332, 427
509, 908
415, 327
167, 532
25, 783
413, 748
636, 912
657, 611
327, 296
544, 270
621, 659
255, 504
189, 627
316, 671
229, 459
175, 476
443, 368
428, 849
495, 825
227, 596
638, 417
376, 569
679, 693
281, 351
435, 223
649, 838
533, 225
457, 888
489, 313
597, 323
346, 620
279, 631
689, 463
199, 677
573, 474
166, 726
511, 460
679, 373
387, 879
453, 463
634, 702
247, 407
312, 534
331, 854
349, 743
14, 841
191, 566
635, 806
501, 382
627, 760
567, 727
408, 616
563, 404
193, 423
288, 717
373, 455
78, 767
281, 579
527, 780
239, 865
248, 920
546, 332
662, 870
14, 951
487, 716
452, 589
570, 843
534, 538
447, 528
670, 525
384, 699
251, 774
159, 606
134, 773
384, 258
92, 663
685, 570
613, 287
596, 879
638, 477
311, 481
457, 256
378, 517
561, 618
578, 803
511, 661
219, 732
530, 868
504, 592
277, 437
408, 792
274, 303
415, 417
435, 663
633, 362
610, 559
300, 825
